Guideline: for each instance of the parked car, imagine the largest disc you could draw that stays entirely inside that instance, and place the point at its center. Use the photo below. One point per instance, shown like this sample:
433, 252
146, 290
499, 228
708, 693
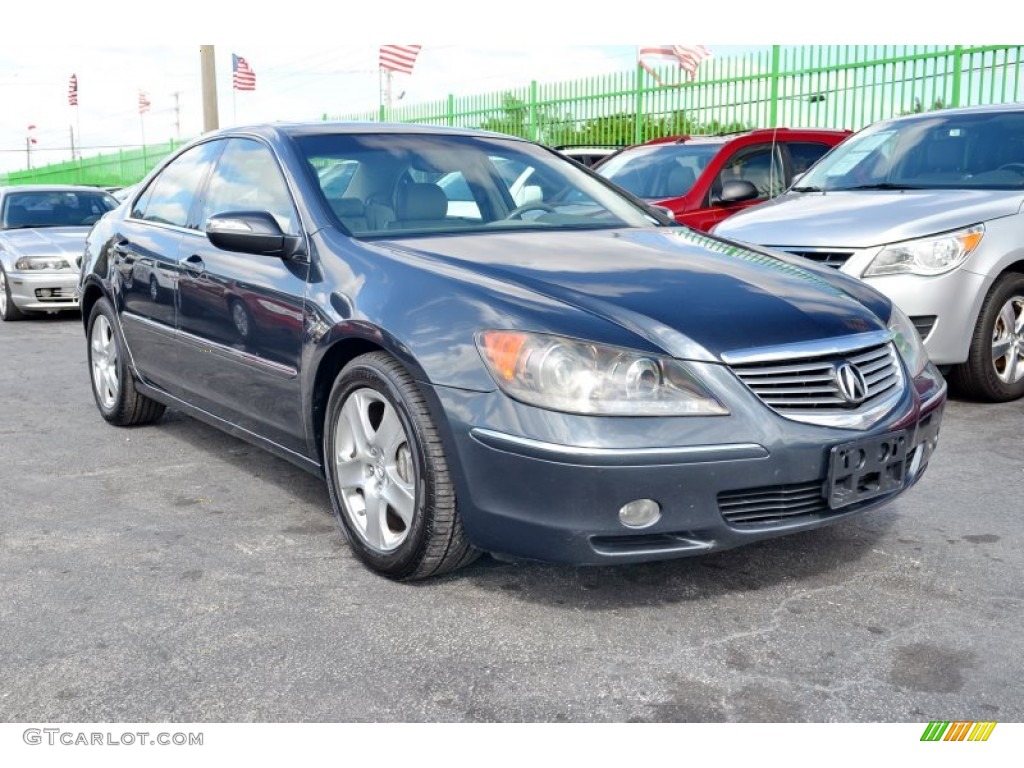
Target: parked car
705, 179
42, 237
928, 210
575, 379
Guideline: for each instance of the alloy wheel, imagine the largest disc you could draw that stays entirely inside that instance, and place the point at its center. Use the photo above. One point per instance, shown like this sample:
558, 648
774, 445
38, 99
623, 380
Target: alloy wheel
1008, 341
374, 468
3, 292
104, 362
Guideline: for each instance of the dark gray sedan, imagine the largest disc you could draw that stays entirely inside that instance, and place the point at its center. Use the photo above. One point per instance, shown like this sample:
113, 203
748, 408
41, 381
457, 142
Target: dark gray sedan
561, 374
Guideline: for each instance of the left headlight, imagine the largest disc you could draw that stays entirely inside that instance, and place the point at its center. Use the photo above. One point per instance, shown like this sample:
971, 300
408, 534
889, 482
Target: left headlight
908, 342
928, 255
38, 262
582, 377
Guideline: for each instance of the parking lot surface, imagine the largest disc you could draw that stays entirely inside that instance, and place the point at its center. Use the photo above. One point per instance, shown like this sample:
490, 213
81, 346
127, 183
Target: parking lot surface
173, 573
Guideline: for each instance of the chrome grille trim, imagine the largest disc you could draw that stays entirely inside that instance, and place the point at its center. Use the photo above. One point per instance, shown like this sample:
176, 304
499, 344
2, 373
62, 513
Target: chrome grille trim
829, 257
759, 506
805, 388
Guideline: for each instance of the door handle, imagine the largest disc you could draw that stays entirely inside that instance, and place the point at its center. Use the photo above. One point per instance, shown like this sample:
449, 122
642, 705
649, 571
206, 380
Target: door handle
194, 265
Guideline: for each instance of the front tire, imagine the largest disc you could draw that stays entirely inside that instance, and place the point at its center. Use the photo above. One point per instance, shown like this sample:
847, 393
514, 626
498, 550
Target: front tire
113, 386
387, 475
994, 370
8, 312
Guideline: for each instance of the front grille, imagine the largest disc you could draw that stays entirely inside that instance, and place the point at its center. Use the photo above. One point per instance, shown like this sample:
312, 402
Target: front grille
774, 504
829, 258
924, 324
799, 385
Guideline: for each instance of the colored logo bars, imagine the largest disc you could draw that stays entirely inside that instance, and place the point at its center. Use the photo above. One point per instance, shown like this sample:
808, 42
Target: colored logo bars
959, 730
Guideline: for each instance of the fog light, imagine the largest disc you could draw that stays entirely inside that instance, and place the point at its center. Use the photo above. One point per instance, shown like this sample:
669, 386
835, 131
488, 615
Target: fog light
640, 513
43, 293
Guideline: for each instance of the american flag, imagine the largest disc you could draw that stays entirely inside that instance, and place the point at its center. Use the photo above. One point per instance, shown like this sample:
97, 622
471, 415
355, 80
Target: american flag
31, 138
399, 58
242, 78
73, 91
144, 104
688, 57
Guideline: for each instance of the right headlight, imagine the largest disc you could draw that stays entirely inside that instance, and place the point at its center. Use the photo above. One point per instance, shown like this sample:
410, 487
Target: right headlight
908, 342
582, 377
40, 262
927, 255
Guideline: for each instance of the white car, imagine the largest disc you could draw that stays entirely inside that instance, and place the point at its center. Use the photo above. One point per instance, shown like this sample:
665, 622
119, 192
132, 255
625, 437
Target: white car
42, 238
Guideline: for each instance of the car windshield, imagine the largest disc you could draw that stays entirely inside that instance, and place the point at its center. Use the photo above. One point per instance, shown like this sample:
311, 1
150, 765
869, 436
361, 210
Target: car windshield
32, 210
661, 171
958, 151
405, 184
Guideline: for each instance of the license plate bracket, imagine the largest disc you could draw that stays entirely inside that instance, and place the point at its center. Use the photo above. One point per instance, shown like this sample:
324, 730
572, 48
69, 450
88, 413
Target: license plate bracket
863, 469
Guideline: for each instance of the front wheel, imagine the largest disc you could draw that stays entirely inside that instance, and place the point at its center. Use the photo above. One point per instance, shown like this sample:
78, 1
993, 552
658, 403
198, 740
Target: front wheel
112, 384
8, 311
994, 370
387, 474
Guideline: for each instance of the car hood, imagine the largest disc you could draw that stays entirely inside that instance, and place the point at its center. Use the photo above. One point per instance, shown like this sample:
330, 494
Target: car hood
866, 218
68, 242
695, 296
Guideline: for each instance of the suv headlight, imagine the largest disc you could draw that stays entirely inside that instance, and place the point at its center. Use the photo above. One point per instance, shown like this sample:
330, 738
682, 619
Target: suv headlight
582, 377
38, 262
927, 255
908, 342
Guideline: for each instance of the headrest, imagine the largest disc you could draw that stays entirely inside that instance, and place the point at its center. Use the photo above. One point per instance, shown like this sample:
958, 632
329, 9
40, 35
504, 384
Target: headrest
421, 201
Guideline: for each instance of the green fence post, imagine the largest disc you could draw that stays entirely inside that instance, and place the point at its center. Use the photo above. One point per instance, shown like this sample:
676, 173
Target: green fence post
773, 119
533, 110
957, 73
638, 116
451, 109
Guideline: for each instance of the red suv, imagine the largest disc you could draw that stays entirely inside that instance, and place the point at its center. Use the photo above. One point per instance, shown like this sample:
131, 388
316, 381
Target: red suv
705, 179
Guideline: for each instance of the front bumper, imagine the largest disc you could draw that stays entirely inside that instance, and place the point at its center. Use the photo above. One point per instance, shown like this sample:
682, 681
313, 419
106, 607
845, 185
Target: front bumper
44, 291
557, 501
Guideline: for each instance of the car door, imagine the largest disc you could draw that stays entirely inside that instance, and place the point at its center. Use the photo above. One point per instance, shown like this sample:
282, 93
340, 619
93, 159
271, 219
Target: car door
145, 256
240, 316
760, 164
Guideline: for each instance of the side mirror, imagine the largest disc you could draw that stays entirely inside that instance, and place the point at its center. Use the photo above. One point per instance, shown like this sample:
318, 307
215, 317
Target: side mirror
255, 232
668, 212
737, 191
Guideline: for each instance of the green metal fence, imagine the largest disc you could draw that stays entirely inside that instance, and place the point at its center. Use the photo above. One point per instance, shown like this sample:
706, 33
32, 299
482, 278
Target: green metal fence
844, 86
847, 86
119, 169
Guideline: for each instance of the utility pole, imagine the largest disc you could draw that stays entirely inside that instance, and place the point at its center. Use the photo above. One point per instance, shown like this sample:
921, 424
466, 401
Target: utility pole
211, 120
177, 114
71, 130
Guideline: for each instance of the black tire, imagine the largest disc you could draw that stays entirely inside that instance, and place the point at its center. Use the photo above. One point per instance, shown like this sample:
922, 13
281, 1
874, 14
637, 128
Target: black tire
9, 312
433, 542
124, 407
979, 377
154, 290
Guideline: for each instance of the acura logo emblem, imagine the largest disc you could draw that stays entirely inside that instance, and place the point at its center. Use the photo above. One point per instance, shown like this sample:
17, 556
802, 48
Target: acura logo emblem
851, 383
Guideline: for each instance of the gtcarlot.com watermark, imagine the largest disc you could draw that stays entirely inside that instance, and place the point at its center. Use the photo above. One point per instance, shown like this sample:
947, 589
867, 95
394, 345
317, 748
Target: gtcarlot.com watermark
58, 736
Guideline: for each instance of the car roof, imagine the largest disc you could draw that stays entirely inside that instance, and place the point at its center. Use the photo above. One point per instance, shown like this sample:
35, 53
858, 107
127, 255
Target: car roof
987, 109
51, 188
723, 138
271, 130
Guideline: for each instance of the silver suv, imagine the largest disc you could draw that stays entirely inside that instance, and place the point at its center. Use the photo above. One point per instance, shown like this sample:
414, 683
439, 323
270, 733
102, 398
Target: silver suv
927, 209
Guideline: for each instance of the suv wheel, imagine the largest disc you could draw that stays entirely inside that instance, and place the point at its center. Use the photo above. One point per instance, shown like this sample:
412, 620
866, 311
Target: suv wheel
8, 311
387, 475
994, 369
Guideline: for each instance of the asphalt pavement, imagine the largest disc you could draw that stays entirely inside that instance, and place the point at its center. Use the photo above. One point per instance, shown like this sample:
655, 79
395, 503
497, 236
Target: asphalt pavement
174, 573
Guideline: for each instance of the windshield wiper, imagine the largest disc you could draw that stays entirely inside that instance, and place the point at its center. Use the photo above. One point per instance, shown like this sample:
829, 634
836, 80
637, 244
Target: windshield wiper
805, 189
879, 185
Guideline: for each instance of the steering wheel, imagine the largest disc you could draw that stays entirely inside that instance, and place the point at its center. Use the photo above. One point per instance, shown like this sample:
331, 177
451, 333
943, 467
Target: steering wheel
517, 213
1017, 167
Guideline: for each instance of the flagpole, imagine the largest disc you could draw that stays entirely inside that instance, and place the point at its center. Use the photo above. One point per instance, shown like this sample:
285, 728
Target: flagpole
234, 105
389, 92
78, 125
142, 122
380, 94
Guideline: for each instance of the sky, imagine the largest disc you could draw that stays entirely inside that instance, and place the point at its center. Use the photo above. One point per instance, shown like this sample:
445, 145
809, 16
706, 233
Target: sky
309, 62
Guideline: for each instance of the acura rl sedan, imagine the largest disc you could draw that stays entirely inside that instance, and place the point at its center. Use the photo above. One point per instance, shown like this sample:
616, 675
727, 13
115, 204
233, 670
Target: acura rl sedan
572, 378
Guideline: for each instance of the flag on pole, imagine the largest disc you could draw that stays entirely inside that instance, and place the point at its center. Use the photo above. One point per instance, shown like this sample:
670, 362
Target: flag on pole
688, 57
73, 91
144, 103
31, 138
399, 58
242, 76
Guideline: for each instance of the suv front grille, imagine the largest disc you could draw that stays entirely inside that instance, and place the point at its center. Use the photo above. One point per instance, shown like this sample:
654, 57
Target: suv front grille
829, 258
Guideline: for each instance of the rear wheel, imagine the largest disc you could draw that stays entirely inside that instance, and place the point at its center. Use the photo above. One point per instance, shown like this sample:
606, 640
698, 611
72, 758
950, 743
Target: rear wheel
113, 386
387, 473
995, 366
8, 311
